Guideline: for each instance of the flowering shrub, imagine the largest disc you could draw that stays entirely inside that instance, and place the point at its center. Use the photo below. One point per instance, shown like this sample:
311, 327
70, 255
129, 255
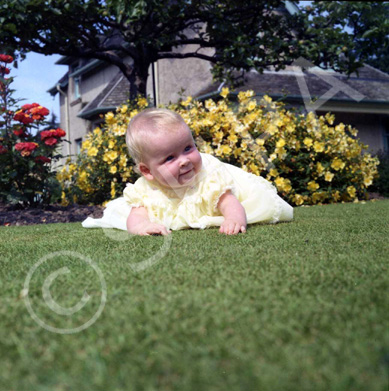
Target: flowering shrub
26, 154
308, 159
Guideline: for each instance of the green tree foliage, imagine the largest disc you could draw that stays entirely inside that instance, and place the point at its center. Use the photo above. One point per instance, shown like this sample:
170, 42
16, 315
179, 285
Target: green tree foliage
366, 23
231, 34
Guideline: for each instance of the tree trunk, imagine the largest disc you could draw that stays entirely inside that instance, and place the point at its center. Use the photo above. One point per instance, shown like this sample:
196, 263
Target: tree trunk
138, 80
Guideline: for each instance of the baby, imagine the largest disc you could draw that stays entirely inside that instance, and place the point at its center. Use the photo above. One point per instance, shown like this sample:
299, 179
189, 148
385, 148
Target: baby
181, 188
165, 153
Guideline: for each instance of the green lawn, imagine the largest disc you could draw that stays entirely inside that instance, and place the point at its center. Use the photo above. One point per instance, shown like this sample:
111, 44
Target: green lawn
296, 306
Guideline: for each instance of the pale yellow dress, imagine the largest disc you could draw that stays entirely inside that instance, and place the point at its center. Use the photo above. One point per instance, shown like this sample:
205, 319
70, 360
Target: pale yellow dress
196, 206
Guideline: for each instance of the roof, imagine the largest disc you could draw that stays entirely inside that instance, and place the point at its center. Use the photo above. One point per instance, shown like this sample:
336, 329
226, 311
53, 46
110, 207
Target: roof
113, 95
318, 88
62, 83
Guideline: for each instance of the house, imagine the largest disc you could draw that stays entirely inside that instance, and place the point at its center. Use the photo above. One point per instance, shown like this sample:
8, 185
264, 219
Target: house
91, 88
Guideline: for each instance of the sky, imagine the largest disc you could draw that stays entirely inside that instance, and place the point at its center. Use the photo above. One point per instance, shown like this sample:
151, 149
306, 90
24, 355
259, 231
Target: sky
34, 76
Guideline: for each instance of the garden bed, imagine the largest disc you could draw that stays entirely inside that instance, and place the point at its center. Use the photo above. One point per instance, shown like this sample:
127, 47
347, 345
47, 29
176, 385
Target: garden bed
11, 215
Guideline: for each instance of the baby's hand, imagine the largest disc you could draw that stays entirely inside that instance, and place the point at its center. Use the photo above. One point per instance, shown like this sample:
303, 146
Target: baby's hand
232, 227
149, 228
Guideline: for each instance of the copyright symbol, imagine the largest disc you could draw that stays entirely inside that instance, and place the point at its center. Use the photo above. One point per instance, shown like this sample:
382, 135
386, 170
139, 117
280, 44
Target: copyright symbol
64, 276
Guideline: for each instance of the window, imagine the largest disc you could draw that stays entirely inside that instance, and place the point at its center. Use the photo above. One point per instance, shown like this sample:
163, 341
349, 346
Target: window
385, 133
78, 145
386, 140
77, 87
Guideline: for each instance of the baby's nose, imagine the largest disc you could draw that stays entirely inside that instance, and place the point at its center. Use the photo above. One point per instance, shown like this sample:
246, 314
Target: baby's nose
184, 162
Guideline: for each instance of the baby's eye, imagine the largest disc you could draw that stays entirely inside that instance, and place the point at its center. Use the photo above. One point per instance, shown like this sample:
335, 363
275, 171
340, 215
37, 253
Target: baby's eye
188, 148
169, 158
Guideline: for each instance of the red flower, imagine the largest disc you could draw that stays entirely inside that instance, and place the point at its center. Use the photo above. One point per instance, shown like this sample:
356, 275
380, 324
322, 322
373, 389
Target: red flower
23, 117
19, 133
51, 141
53, 133
46, 134
28, 106
4, 70
61, 132
3, 149
25, 148
30, 113
6, 58
42, 159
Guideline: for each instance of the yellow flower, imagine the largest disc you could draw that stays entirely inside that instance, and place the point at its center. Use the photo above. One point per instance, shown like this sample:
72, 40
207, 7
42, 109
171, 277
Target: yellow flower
273, 172
368, 180
317, 197
110, 156
267, 98
272, 129
113, 170
244, 95
111, 144
97, 131
279, 181
252, 105
351, 190
318, 147
330, 118
92, 151
64, 200
187, 101
308, 142
280, 143
124, 109
298, 199
82, 176
319, 168
254, 169
281, 152
340, 128
260, 141
142, 103
225, 92
328, 176
312, 186
223, 150
337, 164
86, 144
336, 195
113, 190
233, 138
110, 118
123, 161
287, 186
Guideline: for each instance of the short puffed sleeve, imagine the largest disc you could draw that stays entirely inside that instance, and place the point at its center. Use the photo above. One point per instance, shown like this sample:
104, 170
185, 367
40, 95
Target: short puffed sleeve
215, 182
137, 194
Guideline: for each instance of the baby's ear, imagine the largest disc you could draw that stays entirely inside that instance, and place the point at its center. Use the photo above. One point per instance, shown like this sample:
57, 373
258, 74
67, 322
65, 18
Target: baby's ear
145, 171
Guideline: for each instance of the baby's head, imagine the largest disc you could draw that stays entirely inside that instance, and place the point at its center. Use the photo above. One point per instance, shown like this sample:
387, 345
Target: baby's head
162, 146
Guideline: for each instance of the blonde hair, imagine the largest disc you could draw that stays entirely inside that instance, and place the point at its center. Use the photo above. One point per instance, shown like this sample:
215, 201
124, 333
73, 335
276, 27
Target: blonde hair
145, 124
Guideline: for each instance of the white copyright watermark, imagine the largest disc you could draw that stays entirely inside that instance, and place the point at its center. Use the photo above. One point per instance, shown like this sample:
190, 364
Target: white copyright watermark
65, 273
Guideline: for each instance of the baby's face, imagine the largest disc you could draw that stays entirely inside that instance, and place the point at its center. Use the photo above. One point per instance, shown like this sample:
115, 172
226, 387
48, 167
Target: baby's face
171, 158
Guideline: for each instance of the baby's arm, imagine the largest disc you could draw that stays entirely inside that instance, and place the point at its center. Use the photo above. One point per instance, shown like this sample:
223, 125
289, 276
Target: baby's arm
234, 214
138, 223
